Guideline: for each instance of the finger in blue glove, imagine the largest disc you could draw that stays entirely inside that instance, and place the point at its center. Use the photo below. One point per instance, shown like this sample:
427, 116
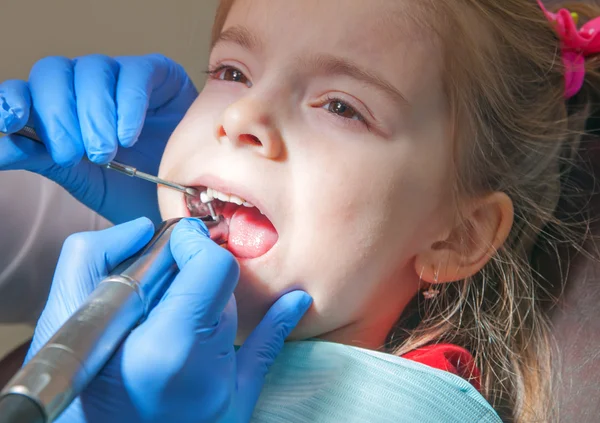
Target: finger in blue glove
255, 357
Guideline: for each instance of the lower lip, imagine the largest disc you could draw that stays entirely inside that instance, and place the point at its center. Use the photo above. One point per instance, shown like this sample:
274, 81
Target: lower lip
251, 234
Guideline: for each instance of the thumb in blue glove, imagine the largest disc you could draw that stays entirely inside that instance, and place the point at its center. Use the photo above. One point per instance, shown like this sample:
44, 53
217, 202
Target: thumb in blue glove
237, 377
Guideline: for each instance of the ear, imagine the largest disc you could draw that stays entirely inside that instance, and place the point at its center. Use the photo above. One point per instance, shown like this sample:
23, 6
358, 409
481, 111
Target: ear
484, 227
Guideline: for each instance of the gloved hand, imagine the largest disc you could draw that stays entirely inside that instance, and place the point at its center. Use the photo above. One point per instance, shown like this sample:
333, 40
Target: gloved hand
179, 365
90, 107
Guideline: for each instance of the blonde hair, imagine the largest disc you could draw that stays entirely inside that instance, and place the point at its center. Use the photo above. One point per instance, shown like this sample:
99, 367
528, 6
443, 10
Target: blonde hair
516, 134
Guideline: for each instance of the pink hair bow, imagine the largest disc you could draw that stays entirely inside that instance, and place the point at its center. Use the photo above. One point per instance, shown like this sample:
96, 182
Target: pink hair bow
576, 45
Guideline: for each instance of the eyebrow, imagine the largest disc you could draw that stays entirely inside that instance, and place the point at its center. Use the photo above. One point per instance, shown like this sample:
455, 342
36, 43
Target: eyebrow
333, 65
324, 63
241, 36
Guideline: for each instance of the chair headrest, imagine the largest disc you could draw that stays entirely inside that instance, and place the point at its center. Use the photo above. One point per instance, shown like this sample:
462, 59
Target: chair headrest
576, 317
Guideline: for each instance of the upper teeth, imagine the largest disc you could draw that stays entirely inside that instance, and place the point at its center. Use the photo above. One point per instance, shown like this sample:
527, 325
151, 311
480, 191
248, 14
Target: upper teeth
211, 194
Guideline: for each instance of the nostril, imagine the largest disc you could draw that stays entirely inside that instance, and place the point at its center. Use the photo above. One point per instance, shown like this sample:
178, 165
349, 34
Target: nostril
250, 139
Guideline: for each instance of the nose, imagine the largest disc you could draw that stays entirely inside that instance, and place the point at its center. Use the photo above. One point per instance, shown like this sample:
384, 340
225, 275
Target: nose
248, 123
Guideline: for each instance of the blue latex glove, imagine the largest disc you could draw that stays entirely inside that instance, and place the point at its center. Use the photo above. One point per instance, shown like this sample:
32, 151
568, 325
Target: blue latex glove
90, 107
180, 364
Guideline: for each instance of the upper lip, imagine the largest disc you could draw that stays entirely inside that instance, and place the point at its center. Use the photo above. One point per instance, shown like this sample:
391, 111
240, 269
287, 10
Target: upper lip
228, 187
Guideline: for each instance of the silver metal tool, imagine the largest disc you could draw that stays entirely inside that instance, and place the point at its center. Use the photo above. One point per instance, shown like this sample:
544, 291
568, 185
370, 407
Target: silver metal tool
133, 172
192, 194
29, 132
71, 359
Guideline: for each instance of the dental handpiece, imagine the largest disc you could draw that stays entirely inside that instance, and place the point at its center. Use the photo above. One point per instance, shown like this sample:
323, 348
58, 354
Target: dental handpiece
30, 133
72, 358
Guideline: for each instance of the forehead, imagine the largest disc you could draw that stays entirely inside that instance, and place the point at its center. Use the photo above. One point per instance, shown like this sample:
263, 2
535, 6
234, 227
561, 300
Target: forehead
391, 36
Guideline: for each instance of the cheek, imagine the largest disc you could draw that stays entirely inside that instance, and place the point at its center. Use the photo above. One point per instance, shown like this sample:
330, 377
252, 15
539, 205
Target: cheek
188, 143
373, 197
363, 216
194, 137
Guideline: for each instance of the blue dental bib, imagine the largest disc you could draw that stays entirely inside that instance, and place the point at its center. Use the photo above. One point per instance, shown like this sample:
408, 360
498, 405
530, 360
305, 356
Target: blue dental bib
315, 381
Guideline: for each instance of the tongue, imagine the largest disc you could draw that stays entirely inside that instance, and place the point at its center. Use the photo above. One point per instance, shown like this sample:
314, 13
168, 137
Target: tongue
251, 234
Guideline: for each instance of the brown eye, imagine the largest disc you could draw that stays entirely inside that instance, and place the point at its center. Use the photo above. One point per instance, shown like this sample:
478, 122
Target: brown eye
342, 109
233, 75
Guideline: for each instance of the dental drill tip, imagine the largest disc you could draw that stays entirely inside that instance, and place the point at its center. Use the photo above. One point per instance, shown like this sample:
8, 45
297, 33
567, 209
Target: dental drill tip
218, 229
212, 211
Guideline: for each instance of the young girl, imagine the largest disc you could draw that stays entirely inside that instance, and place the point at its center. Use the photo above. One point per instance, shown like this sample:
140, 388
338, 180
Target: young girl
394, 150
398, 161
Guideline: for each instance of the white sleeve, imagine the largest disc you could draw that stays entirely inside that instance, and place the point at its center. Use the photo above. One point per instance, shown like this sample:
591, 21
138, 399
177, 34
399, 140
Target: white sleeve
36, 216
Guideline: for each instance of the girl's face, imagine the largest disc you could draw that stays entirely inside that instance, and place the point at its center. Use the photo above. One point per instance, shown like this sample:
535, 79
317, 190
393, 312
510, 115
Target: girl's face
329, 116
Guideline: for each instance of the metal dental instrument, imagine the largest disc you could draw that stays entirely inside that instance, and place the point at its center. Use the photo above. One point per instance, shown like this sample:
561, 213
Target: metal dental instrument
72, 358
192, 195
29, 132
133, 172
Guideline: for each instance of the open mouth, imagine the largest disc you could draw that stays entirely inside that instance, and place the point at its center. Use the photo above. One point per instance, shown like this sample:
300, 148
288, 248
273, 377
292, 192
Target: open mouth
251, 233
